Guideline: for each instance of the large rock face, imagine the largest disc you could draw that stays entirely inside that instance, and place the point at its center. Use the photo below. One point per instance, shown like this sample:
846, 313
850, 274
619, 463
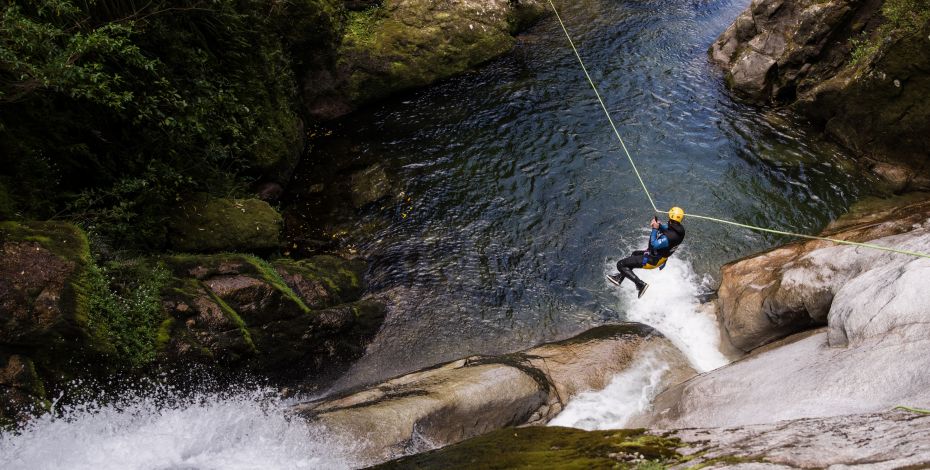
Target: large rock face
792, 288
894, 439
464, 398
870, 357
857, 67
409, 43
43, 310
41, 270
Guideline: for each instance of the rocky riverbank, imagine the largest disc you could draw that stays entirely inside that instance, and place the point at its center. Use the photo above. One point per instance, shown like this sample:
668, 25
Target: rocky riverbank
65, 316
857, 68
74, 308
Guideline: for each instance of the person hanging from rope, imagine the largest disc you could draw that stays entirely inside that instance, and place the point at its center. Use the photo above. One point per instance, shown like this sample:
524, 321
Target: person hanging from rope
663, 241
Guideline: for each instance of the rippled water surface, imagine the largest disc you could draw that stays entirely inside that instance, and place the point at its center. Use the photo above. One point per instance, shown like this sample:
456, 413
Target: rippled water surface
514, 198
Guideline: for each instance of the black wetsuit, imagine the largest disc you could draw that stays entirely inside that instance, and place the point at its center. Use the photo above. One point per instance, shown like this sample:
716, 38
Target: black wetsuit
662, 243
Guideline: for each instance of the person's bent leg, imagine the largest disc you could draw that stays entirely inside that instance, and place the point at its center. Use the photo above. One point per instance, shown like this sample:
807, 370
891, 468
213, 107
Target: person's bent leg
626, 266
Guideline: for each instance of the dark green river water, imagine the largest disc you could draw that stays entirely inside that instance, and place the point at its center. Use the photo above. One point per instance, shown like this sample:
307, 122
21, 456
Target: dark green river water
520, 198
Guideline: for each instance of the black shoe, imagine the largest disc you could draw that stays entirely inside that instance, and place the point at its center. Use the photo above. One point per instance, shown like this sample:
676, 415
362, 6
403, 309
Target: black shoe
615, 279
642, 290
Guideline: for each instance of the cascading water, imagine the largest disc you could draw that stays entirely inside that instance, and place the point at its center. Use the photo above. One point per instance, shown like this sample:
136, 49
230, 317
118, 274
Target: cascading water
247, 429
671, 306
628, 394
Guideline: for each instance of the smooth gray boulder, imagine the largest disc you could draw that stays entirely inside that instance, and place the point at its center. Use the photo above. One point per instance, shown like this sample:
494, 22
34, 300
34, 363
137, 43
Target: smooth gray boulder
464, 398
789, 289
892, 439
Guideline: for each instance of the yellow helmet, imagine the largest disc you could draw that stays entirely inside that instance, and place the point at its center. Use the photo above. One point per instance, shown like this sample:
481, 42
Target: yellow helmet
676, 214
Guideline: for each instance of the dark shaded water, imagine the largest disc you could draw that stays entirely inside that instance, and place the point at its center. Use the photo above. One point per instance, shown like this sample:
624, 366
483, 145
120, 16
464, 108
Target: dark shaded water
520, 197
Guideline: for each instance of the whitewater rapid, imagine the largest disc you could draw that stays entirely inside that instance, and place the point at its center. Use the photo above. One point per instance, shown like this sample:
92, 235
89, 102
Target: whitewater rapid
672, 306
247, 429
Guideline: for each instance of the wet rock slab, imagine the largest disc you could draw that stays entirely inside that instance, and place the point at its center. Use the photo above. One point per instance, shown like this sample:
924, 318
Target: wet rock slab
871, 355
461, 399
891, 439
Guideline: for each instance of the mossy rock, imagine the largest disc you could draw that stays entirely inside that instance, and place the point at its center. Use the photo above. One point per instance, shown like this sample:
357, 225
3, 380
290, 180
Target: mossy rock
42, 274
323, 281
550, 447
194, 270
239, 311
207, 224
396, 45
410, 44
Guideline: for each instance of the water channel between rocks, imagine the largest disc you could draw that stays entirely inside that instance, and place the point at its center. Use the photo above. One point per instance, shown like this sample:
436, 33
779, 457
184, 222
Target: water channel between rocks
510, 201
511, 198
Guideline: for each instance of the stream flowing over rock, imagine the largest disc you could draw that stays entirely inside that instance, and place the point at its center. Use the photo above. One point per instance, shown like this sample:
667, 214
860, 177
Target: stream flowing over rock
461, 399
870, 357
856, 67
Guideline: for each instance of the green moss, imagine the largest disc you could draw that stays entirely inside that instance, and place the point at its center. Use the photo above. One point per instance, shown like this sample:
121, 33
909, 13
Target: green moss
234, 317
901, 18
207, 224
185, 265
272, 277
65, 240
551, 447
342, 279
164, 333
415, 44
361, 25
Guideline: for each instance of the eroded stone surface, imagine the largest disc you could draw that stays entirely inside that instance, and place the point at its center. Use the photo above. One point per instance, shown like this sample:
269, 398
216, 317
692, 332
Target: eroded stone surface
464, 398
791, 288
891, 439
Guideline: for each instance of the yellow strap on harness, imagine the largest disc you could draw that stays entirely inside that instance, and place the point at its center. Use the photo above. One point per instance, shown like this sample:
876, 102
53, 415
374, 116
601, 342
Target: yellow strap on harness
658, 264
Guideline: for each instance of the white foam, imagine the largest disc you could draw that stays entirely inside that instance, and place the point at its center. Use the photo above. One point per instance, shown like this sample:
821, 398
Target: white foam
671, 306
628, 394
247, 430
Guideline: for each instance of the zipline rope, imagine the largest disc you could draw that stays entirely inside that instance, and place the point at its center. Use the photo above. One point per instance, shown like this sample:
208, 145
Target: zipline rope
696, 216
604, 107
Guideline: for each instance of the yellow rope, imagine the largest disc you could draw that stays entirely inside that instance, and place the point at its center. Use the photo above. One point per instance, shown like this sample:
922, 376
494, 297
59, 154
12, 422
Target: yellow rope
811, 237
704, 217
912, 409
603, 106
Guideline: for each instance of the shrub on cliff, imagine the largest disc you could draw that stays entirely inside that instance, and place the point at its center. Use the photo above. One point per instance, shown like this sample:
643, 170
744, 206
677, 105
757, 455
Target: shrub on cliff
111, 110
